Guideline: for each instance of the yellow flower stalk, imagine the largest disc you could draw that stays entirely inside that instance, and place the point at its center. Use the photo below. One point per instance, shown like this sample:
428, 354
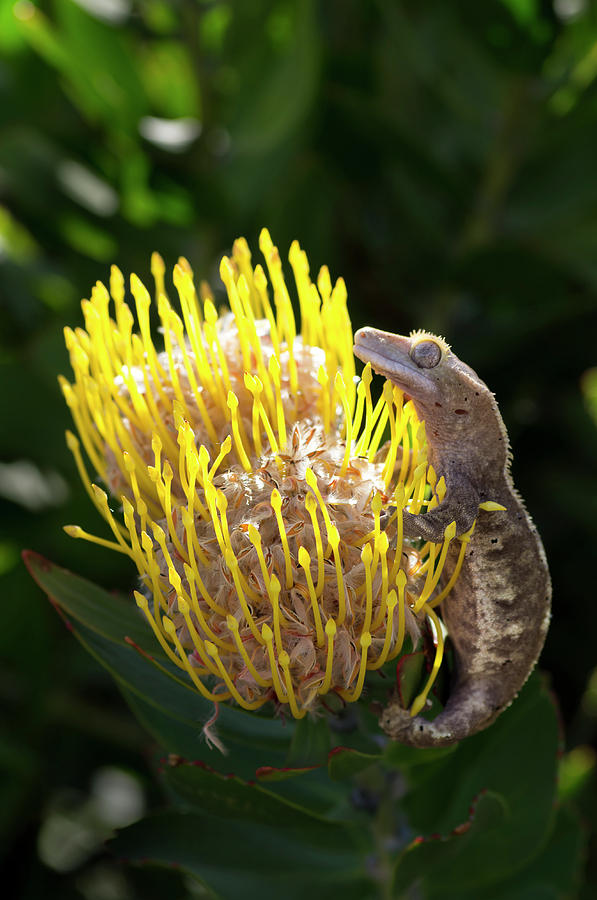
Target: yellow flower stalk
249, 484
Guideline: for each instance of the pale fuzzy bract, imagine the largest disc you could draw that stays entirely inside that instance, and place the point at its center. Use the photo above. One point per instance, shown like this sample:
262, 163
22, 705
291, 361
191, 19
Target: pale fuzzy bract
263, 517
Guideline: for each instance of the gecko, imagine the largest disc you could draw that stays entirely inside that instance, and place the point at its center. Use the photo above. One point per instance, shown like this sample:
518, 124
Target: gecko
498, 612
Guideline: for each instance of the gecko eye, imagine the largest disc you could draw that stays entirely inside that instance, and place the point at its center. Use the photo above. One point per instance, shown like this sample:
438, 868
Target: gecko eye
426, 354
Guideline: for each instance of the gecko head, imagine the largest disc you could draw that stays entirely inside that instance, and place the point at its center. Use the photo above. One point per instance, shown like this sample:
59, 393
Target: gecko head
443, 389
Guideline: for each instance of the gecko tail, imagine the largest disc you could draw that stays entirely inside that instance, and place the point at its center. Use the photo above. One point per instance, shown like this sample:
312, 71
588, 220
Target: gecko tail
472, 706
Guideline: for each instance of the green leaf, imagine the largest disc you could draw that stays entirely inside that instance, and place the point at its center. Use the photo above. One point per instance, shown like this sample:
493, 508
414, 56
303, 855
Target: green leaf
163, 687
308, 789
176, 714
168, 78
202, 789
11, 39
243, 756
456, 861
87, 238
310, 742
282, 773
344, 762
448, 867
176, 736
589, 389
107, 614
516, 759
167, 704
401, 756
311, 789
577, 768
409, 675
556, 870
265, 861
274, 105
95, 61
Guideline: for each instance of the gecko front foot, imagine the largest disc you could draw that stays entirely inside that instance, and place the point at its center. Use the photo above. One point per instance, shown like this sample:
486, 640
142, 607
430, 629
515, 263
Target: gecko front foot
432, 526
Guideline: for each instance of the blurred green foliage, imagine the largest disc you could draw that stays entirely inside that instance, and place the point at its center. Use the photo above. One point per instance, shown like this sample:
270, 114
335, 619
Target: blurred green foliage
389, 819
440, 156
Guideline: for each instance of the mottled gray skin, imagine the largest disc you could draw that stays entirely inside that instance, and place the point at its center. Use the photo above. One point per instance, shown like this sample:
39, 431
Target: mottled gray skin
498, 612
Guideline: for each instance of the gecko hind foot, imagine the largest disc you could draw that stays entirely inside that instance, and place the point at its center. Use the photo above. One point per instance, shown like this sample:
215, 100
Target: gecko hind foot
415, 731
471, 707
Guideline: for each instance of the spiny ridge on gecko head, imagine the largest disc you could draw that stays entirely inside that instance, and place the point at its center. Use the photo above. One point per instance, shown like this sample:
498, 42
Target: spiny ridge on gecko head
419, 334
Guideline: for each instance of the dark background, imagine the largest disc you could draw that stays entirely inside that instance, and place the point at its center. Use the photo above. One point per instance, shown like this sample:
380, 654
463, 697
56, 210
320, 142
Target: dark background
442, 157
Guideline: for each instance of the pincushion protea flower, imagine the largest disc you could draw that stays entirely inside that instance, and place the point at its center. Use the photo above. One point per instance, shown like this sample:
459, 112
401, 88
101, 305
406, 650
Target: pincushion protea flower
264, 520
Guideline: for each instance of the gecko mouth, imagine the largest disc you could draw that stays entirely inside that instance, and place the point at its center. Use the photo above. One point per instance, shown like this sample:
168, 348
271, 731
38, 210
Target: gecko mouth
389, 356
